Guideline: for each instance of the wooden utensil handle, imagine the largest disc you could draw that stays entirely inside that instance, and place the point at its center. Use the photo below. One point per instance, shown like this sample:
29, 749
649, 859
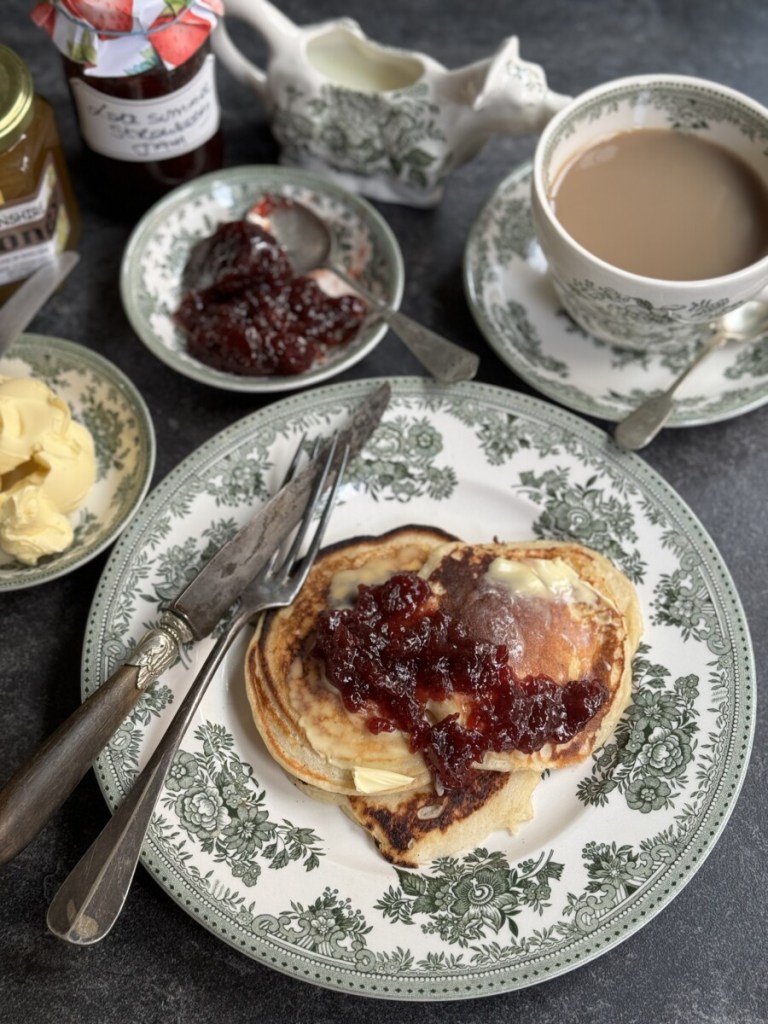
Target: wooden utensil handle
42, 785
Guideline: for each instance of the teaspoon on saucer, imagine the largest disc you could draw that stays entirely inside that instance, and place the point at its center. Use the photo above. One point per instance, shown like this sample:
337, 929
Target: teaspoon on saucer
746, 323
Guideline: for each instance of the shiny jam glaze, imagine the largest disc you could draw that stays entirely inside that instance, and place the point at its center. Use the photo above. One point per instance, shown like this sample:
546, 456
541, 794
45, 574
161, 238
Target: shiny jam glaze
395, 652
246, 312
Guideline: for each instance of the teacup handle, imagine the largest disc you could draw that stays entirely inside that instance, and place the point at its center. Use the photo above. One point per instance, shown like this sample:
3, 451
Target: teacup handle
276, 28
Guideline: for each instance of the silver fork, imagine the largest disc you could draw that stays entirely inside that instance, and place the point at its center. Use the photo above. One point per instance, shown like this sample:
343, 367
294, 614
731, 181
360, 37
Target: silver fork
92, 896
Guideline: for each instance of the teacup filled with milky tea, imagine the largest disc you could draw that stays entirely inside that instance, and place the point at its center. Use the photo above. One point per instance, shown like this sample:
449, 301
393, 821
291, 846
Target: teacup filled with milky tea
650, 203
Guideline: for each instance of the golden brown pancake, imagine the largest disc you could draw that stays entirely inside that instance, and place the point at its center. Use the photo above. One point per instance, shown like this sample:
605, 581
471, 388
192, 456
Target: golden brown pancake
590, 629
299, 714
413, 828
562, 610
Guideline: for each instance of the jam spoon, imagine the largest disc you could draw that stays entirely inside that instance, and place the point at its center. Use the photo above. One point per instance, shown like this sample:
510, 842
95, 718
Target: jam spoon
308, 244
746, 323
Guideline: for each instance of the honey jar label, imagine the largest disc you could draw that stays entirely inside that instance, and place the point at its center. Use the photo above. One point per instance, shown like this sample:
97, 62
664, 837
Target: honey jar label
34, 229
161, 128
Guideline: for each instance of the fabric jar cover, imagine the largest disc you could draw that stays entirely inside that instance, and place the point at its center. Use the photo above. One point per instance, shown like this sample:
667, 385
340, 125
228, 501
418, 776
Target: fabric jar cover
117, 38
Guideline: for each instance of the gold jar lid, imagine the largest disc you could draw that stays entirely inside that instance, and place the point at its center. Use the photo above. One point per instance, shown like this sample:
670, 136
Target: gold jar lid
17, 92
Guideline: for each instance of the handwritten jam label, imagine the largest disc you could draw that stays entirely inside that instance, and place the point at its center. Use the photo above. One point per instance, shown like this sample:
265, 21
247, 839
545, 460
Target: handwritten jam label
155, 129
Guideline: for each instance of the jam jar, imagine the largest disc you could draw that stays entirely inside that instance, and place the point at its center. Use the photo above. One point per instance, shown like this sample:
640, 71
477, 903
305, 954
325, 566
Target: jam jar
38, 211
144, 89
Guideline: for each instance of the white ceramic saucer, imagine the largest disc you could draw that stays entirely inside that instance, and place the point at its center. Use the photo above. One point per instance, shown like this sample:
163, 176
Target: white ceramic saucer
515, 306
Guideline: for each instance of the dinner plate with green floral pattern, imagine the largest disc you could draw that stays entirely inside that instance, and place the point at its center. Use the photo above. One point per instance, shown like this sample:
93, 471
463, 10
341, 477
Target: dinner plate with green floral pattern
158, 249
292, 882
516, 308
102, 398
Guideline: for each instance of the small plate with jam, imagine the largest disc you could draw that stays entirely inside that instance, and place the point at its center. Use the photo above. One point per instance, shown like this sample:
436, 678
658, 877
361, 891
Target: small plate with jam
208, 291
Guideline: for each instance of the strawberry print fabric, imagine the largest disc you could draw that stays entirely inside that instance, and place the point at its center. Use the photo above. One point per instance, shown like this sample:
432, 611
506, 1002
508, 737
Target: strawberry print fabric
114, 38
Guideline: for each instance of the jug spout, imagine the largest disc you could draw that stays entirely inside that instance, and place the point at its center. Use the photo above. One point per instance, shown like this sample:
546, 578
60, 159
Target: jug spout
501, 95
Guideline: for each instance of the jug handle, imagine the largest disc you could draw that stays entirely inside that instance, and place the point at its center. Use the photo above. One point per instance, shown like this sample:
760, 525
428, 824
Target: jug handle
277, 29
243, 70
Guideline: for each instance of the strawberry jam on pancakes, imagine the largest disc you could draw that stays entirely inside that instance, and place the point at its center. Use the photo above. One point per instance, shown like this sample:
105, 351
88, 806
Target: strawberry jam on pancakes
395, 656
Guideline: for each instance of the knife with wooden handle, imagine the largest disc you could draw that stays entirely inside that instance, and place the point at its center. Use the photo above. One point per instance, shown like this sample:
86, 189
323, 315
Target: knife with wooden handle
40, 787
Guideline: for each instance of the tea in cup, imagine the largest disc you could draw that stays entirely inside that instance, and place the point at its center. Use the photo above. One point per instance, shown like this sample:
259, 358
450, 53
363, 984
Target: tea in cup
650, 203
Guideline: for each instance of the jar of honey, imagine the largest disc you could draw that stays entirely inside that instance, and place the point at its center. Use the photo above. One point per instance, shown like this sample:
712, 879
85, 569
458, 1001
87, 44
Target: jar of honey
144, 88
38, 212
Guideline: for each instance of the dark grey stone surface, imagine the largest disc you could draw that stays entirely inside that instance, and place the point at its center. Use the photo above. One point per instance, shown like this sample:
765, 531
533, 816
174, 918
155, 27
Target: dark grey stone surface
703, 959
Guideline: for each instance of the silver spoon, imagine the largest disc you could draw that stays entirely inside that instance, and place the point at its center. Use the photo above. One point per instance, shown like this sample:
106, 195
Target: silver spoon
308, 244
746, 323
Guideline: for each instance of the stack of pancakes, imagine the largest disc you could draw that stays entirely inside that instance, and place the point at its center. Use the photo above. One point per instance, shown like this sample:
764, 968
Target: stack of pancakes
562, 610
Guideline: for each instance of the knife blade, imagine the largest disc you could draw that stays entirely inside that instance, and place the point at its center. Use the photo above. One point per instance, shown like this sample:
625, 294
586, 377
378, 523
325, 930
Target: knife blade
30, 297
40, 786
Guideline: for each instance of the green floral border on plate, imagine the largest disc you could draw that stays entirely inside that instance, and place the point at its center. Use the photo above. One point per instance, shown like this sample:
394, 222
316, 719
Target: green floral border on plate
611, 843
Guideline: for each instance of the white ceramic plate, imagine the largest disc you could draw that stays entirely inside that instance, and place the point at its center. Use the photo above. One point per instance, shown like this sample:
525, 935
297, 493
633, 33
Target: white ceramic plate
297, 886
104, 400
154, 259
516, 308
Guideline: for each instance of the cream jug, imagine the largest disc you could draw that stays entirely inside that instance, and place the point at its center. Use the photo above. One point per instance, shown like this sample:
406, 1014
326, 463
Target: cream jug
385, 122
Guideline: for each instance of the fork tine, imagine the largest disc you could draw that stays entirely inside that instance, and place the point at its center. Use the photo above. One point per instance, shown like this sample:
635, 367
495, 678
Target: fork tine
302, 569
291, 471
312, 503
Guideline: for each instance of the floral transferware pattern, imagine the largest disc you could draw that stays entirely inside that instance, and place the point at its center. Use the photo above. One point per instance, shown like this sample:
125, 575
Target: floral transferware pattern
218, 800
104, 400
653, 745
683, 106
154, 260
516, 307
396, 135
611, 841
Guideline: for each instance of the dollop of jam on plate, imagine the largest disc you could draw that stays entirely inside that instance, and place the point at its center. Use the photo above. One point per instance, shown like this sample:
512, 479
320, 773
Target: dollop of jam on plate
395, 656
244, 311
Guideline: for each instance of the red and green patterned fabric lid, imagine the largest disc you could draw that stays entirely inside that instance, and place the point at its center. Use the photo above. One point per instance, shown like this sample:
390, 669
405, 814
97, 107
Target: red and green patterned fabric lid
115, 38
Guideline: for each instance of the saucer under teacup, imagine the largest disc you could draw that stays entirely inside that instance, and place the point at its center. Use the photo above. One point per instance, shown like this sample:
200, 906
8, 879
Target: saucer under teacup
515, 305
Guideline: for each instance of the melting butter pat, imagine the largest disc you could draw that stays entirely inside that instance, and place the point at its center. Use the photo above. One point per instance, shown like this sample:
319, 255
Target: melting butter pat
379, 780
541, 577
47, 468
344, 584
